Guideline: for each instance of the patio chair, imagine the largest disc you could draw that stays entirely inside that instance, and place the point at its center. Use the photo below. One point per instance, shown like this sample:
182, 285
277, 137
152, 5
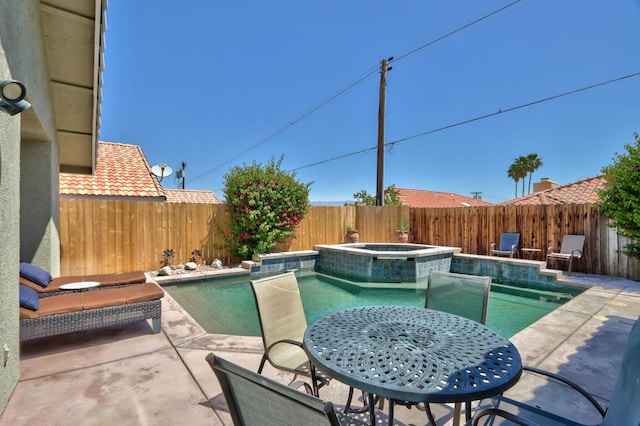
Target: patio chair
623, 408
508, 245
253, 399
572, 248
283, 323
460, 294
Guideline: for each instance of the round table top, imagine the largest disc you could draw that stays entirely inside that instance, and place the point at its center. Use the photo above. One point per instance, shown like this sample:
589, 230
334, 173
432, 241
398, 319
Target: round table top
80, 285
413, 354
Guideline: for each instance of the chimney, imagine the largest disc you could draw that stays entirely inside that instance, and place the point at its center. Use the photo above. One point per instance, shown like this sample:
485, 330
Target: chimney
544, 184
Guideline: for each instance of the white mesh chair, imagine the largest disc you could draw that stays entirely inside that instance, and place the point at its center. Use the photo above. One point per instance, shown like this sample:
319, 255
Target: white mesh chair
253, 399
571, 248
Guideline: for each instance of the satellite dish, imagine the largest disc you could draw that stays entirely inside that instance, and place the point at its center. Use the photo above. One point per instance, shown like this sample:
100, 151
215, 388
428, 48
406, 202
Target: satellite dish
161, 170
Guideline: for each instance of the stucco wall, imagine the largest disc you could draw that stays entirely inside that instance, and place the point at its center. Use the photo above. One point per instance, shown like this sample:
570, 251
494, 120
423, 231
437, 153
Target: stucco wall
9, 245
22, 58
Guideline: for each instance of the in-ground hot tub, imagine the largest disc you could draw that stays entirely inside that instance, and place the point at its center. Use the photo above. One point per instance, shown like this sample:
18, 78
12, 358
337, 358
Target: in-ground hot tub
383, 262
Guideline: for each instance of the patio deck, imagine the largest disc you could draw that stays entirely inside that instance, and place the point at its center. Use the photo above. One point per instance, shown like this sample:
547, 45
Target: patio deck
126, 375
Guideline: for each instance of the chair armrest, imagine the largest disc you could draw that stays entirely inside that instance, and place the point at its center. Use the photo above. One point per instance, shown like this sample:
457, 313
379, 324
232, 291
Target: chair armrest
574, 251
501, 413
287, 341
514, 248
571, 384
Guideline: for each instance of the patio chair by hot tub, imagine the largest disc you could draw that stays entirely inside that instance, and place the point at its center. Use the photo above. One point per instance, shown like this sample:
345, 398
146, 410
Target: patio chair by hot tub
508, 245
572, 248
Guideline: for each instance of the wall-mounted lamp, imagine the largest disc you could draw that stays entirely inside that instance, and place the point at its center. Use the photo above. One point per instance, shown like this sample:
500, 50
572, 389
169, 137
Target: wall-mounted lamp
12, 95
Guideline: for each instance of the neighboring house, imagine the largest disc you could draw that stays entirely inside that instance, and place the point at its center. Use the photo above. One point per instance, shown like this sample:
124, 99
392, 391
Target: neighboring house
584, 191
420, 198
123, 172
55, 48
192, 196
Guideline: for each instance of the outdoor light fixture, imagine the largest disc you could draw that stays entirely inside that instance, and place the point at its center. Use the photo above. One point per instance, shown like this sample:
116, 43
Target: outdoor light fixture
12, 95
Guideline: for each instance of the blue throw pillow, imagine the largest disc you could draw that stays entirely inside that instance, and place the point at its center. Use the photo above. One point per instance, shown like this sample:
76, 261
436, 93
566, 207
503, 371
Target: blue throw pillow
35, 274
29, 298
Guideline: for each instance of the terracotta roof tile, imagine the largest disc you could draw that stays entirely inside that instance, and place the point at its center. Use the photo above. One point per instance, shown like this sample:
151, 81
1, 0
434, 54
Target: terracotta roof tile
420, 198
122, 170
191, 196
583, 191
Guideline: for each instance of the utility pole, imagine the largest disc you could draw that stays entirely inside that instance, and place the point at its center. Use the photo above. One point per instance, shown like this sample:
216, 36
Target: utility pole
180, 173
384, 67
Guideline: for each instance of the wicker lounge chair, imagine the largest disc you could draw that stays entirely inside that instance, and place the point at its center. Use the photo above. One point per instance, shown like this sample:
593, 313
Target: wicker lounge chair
79, 311
283, 323
572, 248
42, 281
508, 245
623, 408
253, 399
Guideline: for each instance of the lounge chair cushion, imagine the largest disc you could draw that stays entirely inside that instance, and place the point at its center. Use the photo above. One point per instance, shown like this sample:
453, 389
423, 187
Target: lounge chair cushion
105, 280
28, 298
143, 293
35, 274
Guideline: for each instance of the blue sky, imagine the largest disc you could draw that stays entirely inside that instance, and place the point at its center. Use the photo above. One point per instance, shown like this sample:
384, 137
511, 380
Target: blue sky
221, 83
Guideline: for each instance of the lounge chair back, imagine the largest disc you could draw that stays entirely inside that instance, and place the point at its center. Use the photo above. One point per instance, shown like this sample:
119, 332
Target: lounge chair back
624, 408
253, 399
460, 294
572, 245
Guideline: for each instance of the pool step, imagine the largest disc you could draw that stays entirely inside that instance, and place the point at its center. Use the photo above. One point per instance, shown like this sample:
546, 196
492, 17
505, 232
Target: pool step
532, 293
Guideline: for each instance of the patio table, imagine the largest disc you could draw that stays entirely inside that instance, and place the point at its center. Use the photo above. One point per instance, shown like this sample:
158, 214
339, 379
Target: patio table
412, 355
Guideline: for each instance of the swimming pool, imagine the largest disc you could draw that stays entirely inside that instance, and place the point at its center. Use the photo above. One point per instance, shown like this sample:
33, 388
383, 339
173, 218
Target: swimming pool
226, 306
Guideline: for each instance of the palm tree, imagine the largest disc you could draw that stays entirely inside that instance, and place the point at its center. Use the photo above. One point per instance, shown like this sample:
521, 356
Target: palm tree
512, 172
533, 163
518, 170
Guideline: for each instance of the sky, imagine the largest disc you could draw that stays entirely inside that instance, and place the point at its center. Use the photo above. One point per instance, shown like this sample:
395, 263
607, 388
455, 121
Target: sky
472, 86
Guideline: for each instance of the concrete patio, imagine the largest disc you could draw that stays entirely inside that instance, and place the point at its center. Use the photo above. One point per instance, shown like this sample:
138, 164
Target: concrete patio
128, 376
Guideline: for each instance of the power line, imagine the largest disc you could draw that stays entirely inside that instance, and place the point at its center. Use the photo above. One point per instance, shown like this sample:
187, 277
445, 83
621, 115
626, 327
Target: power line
457, 30
341, 92
471, 120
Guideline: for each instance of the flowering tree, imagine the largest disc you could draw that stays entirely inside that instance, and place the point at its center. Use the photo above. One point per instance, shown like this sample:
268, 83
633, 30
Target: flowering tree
620, 197
265, 205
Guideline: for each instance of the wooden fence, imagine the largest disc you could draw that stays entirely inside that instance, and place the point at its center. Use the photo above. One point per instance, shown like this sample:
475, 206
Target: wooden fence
105, 236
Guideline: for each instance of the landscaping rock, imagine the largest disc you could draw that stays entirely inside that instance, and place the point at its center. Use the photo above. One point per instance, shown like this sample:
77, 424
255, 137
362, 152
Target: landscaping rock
165, 270
191, 266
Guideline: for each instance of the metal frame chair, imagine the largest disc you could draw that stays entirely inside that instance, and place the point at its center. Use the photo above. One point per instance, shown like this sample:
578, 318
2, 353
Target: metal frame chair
508, 245
253, 399
283, 323
460, 294
623, 409
572, 248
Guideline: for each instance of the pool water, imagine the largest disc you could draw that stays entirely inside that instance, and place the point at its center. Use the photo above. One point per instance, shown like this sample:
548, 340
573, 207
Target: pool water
227, 306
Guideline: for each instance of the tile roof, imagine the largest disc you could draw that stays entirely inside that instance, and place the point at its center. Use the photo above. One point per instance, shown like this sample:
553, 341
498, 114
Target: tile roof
580, 192
420, 198
122, 170
191, 196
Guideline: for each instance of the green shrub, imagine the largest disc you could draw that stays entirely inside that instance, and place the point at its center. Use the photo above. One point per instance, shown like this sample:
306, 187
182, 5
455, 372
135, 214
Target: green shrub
620, 197
265, 205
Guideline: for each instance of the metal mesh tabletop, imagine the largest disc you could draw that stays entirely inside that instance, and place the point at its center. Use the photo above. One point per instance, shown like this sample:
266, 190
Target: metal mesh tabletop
413, 354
